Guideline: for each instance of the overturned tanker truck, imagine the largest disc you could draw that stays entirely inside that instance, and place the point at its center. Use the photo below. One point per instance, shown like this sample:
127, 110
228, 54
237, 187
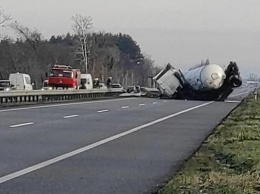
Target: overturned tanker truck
203, 82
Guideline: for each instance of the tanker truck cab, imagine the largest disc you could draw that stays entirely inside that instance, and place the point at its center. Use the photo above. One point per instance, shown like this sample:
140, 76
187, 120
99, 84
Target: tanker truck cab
21, 81
169, 81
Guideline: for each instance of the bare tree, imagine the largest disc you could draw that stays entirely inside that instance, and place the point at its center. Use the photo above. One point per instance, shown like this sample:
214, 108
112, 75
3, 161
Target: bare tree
30, 61
4, 18
32, 37
82, 27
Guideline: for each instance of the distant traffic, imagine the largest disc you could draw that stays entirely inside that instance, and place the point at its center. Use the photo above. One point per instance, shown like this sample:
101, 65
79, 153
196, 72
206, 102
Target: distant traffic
206, 81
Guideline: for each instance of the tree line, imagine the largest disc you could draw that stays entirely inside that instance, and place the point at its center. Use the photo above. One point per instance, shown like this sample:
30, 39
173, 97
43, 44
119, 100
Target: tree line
104, 54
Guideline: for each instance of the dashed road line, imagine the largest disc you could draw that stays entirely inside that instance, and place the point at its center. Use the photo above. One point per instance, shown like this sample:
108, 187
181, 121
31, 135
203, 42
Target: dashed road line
21, 125
141, 104
70, 116
65, 104
100, 111
155, 102
49, 162
124, 107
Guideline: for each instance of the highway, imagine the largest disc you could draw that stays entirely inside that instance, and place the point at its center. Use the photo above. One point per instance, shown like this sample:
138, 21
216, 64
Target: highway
125, 145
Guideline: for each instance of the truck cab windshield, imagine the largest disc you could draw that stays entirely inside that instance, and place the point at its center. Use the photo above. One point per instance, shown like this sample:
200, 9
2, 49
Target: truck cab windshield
61, 73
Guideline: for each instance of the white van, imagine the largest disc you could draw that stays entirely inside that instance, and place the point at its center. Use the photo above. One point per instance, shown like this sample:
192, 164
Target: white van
86, 81
20, 81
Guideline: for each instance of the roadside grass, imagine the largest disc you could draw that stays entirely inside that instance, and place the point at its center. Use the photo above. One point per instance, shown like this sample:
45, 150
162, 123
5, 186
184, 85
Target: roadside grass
228, 162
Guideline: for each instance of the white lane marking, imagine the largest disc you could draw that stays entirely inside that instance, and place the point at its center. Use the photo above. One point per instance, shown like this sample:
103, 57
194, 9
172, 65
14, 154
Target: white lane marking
123, 107
21, 125
70, 116
141, 104
165, 101
91, 146
155, 102
100, 111
67, 104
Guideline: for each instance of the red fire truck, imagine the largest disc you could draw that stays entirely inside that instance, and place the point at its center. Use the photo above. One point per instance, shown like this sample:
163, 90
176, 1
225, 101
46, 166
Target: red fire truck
64, 76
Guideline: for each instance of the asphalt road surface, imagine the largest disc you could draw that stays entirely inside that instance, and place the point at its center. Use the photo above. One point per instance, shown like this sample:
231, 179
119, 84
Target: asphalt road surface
126, 145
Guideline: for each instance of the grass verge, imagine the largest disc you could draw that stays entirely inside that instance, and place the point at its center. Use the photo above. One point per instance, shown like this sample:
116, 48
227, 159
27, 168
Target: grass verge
228, 162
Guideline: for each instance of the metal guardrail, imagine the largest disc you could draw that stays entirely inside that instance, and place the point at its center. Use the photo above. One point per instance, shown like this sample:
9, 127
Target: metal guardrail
41, 96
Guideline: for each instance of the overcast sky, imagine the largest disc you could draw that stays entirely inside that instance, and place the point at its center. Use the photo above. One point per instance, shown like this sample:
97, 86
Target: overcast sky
181, 32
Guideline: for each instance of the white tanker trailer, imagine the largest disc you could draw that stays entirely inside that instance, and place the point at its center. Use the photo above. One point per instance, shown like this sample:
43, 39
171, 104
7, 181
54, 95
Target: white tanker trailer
204, 82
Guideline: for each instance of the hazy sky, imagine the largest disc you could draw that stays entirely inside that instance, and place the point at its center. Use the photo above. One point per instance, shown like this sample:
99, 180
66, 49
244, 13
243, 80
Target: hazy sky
181, 32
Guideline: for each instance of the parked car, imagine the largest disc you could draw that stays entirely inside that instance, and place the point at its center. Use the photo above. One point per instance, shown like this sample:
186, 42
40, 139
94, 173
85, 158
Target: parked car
5, 85
102, 86
133, 89
118, 86
45, 85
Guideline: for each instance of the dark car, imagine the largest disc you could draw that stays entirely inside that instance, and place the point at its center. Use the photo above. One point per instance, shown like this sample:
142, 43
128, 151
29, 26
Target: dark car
133, 89
5, 85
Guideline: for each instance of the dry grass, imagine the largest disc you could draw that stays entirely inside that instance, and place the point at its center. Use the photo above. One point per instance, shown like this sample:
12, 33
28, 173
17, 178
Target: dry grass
228, 161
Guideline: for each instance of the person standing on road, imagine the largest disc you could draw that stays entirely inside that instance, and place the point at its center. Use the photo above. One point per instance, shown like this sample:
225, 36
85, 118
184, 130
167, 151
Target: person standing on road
109, 80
